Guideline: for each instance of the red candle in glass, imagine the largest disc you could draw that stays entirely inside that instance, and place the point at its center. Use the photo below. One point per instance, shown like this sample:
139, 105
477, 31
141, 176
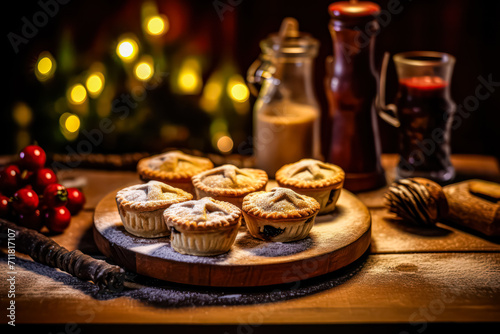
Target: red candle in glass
353, 8
423, 106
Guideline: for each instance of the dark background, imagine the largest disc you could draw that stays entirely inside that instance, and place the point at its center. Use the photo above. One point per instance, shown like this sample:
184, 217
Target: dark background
467, 29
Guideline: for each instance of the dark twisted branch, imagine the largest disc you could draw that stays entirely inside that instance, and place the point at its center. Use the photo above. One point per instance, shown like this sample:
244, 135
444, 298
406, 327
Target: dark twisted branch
46, 251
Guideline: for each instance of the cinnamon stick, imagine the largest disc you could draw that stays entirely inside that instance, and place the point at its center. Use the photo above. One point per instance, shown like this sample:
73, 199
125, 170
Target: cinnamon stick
46, 251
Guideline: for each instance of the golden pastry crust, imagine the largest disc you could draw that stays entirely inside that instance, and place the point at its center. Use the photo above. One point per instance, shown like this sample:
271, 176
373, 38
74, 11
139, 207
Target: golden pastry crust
228, 180
172, 166
310, 174
280, 203
150, 196
202, 215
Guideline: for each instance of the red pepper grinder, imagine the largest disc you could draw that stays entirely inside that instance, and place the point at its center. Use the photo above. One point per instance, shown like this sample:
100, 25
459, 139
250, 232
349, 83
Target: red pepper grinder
351, 88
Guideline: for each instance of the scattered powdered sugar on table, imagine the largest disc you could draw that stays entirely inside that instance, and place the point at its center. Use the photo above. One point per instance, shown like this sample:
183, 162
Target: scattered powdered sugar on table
454, 267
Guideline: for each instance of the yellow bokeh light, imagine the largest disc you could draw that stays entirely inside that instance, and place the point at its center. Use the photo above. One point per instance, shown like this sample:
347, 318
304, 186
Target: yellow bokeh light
189, 79
211, 95
69, 124
225, 144
239, 92
72, 123
143, 71
45, 66
237, 89
157, 25
127, 49
95, 84
213, 90
77, 94
22, 114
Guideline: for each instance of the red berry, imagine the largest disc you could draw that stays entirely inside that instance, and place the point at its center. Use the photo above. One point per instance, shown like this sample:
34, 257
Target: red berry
10, 179
25, 201
32, 158
55, 195
44, 177
76, 200
57, 219
31, 220
4, 206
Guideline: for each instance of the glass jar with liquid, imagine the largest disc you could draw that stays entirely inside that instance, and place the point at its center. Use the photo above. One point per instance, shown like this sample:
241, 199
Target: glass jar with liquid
286, 112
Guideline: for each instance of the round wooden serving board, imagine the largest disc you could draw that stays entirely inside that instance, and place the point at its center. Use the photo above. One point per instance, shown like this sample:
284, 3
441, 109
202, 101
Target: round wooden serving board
335, 241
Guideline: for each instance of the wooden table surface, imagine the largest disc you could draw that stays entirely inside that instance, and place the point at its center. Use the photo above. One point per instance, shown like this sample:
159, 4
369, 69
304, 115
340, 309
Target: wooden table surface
411, 277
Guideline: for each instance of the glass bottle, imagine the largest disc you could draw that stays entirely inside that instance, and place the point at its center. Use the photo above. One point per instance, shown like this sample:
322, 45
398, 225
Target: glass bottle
286, 112
351, 87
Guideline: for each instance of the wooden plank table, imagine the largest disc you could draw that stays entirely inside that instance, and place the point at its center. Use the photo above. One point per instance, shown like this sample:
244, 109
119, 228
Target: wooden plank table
410, 279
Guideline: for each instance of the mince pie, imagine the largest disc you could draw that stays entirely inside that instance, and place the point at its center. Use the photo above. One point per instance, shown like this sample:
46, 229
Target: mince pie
279, 215
204, 227
141, 207
229, 183
320, 180
174, 168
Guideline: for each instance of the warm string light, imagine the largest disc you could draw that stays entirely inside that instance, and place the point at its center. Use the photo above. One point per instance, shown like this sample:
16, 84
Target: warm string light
157, 25
212, 93
22, 114
77, 94
144, 69
45, 66
127, 49
95, 84
237, 89
154, 23
189, 80
70, 125
225, 144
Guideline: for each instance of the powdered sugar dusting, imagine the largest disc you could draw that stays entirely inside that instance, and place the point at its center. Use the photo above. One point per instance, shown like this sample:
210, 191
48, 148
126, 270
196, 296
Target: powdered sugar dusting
177, 161
205, 211
311, 170
279, 203
227, 176
152, 192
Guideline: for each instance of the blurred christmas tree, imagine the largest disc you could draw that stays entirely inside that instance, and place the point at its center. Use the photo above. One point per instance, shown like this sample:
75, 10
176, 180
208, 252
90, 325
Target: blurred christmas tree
155, 75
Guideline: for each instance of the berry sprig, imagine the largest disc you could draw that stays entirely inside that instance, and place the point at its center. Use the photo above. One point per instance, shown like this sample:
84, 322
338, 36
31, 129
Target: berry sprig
31, 196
